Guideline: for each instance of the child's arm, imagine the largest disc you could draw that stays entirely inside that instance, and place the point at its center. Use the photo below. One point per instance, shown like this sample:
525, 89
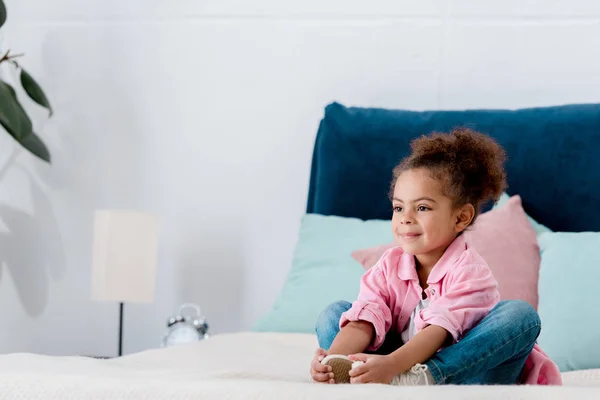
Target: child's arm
382, 369
364, 326
419, 348
471, 292
353, 338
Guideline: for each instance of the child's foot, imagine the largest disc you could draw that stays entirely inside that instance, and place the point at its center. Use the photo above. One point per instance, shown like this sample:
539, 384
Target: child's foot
340, 366
418, 375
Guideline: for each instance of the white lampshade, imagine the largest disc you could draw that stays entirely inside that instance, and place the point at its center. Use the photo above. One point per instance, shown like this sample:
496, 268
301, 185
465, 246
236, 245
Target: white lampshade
124, 256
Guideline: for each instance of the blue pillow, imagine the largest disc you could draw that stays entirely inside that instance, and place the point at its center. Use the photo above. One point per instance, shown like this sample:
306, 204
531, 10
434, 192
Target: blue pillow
568, 299
537, 227
323, 270
551, 158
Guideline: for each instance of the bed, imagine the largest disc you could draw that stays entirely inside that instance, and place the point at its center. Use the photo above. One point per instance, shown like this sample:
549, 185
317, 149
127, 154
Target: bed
355, 150
246, 365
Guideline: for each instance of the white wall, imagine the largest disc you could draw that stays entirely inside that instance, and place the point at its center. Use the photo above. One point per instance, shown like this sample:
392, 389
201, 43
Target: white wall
205, 112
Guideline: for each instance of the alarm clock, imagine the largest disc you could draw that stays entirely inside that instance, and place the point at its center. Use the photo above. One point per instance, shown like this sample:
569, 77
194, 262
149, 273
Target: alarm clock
186, 328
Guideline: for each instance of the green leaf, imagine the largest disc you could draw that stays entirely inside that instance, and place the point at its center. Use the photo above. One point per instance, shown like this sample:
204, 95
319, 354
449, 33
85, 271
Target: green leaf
2, 13
16, 122
12, 115
34, 90
34, 144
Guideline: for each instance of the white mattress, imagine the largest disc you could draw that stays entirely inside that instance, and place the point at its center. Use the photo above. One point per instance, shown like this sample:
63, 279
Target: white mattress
242, 365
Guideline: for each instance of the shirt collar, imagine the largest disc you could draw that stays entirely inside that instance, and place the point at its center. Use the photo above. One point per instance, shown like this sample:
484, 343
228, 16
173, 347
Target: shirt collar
408, 270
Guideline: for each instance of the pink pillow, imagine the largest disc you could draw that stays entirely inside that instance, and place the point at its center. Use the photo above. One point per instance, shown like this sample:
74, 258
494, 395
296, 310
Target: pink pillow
505, 238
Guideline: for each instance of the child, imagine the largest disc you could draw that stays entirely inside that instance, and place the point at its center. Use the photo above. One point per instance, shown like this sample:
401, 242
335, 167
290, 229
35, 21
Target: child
429, 312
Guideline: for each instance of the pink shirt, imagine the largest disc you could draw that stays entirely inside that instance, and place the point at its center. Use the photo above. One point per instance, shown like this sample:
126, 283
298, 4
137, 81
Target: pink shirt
462, 290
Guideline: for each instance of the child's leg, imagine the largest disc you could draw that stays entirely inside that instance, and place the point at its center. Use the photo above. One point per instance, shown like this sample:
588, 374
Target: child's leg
494, 351
328, 323
327, 328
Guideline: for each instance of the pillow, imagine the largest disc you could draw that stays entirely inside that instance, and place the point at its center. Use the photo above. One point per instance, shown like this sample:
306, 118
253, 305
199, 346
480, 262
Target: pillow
568, 300
322, 271
505, 238
537, 227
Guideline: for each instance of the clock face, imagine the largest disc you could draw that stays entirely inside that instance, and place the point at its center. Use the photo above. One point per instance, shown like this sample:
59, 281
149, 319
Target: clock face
181, 333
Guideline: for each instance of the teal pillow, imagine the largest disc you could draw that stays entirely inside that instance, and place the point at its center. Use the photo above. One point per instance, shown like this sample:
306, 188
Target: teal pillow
537, 227
568, 299
323, 270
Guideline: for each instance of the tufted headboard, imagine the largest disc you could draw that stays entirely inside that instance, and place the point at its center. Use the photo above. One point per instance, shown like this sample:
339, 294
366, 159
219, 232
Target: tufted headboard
553, 159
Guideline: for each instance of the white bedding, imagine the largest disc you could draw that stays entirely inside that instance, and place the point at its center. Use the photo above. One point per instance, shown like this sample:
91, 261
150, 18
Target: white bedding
243, 365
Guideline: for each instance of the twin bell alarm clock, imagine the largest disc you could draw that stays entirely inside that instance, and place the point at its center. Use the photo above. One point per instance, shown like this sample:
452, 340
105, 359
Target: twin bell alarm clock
184, 328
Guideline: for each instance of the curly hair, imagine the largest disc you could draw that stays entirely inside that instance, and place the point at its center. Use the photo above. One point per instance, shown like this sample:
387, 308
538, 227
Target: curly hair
470, 163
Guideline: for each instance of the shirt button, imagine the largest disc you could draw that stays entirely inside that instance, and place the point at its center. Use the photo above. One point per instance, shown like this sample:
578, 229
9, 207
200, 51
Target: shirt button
432, 291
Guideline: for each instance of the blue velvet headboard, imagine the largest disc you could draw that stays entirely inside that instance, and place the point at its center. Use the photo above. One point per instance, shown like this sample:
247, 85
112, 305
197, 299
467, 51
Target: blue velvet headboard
553, 159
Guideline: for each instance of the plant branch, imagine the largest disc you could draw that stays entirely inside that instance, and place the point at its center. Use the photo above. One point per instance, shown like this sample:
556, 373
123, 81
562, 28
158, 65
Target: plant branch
8, 57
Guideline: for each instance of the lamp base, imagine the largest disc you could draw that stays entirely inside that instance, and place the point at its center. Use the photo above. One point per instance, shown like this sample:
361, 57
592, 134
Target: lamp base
120, 329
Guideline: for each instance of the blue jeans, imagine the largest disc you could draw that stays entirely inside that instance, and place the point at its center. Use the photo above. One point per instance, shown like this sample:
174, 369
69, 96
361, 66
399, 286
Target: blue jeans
493, 352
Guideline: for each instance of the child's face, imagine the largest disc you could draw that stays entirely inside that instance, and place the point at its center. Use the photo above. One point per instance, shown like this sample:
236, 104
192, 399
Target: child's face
424, 221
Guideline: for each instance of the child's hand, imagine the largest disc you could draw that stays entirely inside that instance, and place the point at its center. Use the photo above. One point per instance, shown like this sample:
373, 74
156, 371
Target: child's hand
375, 369
319, 372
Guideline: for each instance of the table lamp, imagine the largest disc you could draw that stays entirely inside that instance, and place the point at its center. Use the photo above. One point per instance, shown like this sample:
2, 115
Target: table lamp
124, 259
